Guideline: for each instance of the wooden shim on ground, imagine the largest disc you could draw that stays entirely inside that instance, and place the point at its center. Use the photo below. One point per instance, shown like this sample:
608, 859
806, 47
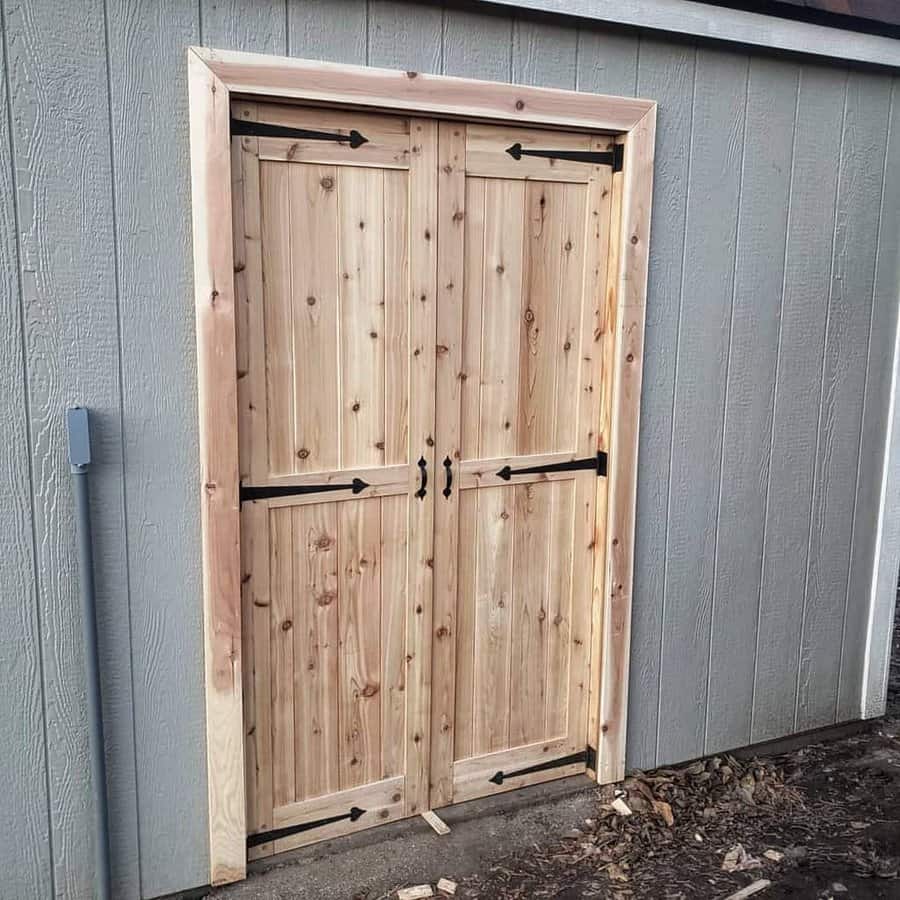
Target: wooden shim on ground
436, 822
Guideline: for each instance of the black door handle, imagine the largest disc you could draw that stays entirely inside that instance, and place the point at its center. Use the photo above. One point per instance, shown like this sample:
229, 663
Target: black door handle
448, 469
423, 473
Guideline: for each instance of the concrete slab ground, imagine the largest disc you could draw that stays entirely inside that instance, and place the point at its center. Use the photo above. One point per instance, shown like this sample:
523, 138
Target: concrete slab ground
373, 863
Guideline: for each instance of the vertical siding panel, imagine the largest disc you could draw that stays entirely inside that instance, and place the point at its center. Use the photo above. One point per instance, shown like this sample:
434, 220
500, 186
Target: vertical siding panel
257, 26
707, 284
879, 369
665, 73
607, 62
871, 685
477, 45
24, 826
762, 229
798, 382
334, 30
544, 54
405, 36
841, 404
59, 102
148, 79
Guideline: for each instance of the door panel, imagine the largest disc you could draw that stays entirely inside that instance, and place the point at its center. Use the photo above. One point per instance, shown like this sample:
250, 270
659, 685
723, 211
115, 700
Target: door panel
520, 386
337, 303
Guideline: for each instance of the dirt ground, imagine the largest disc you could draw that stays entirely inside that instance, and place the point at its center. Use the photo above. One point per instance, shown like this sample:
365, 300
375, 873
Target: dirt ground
828, 815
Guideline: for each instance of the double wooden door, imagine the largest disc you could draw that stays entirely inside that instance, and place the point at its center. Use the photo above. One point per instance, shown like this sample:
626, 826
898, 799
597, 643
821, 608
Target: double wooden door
423, 362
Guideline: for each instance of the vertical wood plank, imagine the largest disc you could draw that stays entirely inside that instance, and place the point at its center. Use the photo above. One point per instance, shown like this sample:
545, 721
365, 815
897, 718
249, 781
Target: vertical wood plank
448, 370
404, 35
473, 311
70, 304
666, 72
529, 628
498, 415
219, 509
710, 222
545, 220
423, 229
257, 674
359, 600
314, 320
281, 643
361, 267
466, 609
798, 384
278, 329
396, 317
749, 400
477, 44
25, 824
495, 517
316, 651
334, 30
559, 614
394, 549
841, 403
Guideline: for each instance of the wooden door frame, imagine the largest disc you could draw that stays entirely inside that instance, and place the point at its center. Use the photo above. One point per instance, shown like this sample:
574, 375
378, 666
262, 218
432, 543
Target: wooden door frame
214, 78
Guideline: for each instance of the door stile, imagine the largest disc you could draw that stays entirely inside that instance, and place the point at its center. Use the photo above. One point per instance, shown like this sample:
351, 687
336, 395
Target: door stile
604, 205
423, 254
449, 372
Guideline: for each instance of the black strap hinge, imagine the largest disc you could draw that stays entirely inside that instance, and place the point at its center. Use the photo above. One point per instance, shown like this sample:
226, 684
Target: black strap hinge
595, 463
614, 157
588, 756
244, 127
263, 837
270, 491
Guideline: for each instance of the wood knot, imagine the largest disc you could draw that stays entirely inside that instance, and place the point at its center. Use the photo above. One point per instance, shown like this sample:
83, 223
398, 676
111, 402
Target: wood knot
442, 632
412, 74
325, 599
370, 690
286, 625
310, 300
303, 453
634, 239
327, 183
529, 315
520, 104
356, 406
458, 216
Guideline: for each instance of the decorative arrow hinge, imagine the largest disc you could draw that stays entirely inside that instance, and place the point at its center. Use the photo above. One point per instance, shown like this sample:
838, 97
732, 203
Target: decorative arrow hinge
595, 463
263, 837
588, 756
614, 157
268, 491
241, 127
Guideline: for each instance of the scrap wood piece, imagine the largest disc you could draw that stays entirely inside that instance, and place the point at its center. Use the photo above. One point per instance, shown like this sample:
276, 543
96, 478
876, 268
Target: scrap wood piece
417, 892
750, 890
621, 807
446, 886
436, 822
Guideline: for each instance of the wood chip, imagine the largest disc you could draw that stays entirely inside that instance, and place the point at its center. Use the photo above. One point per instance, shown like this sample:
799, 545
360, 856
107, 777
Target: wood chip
750, 890
436, 822
621, 807
774, 855
662, 809
446, 886
418, 892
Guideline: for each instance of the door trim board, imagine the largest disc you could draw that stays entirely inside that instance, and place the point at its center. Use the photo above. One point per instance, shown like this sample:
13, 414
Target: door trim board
216, 77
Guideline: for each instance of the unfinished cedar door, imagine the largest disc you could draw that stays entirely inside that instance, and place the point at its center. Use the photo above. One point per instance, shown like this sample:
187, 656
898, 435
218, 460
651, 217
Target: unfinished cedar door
421, 317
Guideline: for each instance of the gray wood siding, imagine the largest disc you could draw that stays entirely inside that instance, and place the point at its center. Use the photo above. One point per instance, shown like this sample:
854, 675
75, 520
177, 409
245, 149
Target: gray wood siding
772, 311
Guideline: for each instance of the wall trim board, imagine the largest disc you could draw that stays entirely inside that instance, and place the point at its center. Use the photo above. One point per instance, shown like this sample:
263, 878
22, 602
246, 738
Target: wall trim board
724, 24
882, 601
214, 77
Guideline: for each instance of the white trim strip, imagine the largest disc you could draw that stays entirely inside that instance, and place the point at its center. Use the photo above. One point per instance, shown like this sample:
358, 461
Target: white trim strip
723, 24
887, 558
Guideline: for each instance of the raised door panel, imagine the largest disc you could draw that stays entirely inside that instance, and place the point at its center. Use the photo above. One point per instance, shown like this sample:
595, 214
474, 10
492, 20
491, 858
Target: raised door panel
522, 385
336, 295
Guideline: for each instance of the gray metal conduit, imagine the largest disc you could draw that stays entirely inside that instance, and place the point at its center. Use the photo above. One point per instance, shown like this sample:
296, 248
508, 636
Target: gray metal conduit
78, 427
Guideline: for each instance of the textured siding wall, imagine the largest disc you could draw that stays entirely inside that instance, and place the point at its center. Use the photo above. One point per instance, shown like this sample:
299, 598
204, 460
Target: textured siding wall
770, 330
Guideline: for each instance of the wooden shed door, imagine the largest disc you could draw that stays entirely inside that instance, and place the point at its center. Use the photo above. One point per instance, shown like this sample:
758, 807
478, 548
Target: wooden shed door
522, 406
337, 256
421, 339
